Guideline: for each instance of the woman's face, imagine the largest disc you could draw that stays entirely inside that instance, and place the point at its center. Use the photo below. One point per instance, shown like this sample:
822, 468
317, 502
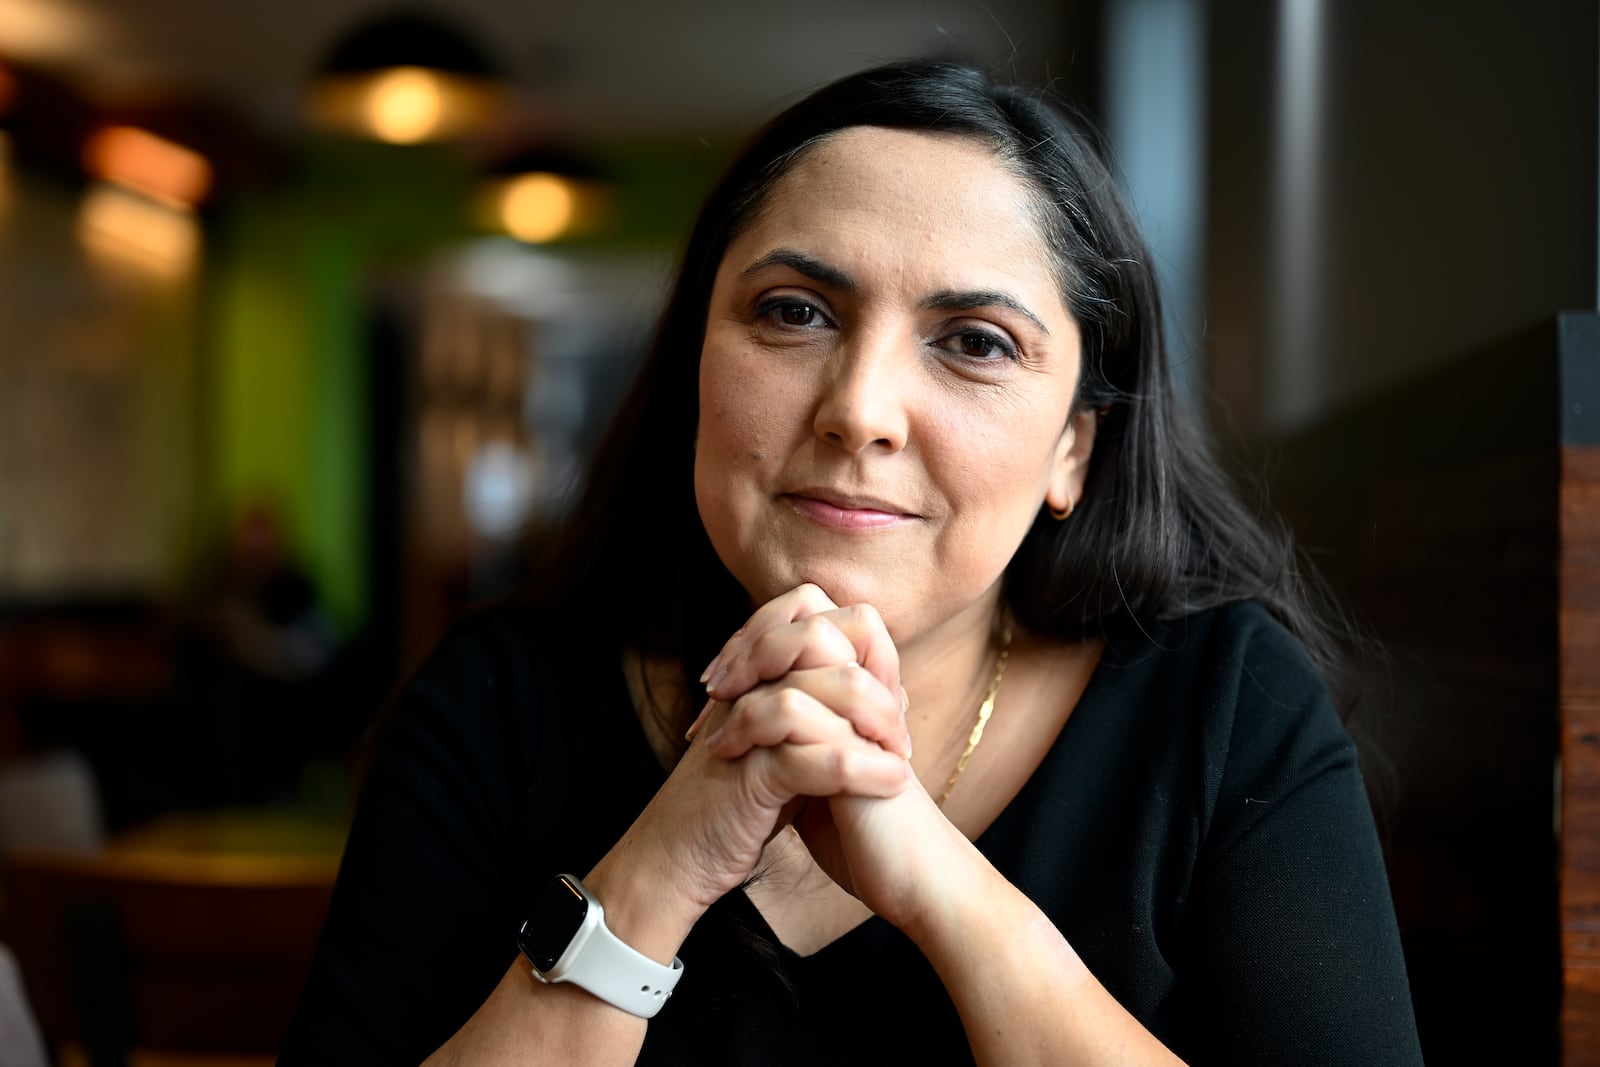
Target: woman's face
887, 380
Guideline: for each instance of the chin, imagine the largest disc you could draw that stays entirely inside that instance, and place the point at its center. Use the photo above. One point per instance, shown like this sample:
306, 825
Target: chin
764, 583
849, 589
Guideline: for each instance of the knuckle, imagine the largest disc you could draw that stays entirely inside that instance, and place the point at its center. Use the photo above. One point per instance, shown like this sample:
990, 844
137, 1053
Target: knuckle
761, 654
822, 640
859, 685
790, 702
816, 627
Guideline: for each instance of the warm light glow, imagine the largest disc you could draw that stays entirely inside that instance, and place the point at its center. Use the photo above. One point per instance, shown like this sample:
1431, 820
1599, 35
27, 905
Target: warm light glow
404, 105
48, 31
537, 207
128, 228
145, 163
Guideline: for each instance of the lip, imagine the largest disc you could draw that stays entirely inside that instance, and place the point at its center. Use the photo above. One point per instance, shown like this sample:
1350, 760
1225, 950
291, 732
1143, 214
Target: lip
846, 511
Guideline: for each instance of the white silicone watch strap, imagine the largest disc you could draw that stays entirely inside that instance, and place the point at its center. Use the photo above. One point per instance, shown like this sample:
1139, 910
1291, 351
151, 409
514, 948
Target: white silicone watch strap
598, 961
619, 975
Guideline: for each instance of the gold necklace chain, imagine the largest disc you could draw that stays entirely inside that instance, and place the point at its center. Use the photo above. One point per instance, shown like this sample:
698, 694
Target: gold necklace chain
985, 710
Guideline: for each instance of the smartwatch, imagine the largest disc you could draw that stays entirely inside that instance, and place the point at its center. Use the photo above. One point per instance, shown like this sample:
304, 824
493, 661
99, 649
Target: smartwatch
566, 940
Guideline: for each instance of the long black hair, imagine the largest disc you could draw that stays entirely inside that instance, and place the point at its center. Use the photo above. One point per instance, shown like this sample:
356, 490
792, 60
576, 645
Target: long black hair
1161, 531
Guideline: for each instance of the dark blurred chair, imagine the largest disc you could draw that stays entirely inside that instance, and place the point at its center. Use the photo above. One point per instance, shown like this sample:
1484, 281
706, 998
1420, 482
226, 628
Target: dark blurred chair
170, 952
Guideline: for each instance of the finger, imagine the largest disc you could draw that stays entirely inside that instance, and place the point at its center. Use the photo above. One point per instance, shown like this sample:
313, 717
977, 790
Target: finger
699, 721
814, 705
855, 768
767, 653
769, 718
797, 603
813, 641
875, 649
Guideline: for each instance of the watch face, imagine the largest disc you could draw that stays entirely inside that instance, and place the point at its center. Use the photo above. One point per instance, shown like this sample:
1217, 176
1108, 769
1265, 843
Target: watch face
556, 917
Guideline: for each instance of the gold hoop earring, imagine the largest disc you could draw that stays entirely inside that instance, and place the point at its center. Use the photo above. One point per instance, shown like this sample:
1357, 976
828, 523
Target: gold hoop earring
1060, 514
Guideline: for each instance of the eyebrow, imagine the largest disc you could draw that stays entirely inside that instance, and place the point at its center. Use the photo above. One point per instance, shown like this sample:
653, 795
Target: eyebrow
951, 300
812, 268
944, 300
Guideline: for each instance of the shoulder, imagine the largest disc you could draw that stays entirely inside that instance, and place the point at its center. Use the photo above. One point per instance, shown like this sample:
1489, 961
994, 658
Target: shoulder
1238, 694
1234, 635
1218, 663
1254, 678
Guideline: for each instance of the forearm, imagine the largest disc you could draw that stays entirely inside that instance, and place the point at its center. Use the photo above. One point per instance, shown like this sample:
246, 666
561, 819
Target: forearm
1023, 994
527, 1021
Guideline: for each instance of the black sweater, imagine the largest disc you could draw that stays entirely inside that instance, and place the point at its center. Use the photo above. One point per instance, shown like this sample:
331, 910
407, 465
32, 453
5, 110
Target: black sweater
1198, 832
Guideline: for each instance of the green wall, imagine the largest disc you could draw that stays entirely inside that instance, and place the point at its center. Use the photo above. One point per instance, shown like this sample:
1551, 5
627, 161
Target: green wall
286, 391
288, 421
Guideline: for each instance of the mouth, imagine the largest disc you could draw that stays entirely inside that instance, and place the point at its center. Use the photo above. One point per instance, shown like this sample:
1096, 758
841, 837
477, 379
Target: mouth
847, 511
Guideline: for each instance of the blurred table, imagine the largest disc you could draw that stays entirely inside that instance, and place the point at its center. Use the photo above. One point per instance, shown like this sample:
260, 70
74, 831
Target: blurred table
190, 934
273, 844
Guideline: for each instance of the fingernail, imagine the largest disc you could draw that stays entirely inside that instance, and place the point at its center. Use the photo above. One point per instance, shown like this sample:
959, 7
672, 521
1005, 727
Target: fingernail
716, 681
711, 742
709, 668
694, 728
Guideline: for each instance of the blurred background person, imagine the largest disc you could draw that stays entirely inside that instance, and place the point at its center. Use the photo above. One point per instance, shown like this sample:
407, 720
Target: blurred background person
257, 698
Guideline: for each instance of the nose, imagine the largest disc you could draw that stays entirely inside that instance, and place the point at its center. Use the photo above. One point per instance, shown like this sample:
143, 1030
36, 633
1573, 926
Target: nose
863, 404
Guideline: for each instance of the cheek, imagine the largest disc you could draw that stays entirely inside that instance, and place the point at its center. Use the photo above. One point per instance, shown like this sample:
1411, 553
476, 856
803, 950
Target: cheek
745, 408
1000, 467
728, 440
725, 429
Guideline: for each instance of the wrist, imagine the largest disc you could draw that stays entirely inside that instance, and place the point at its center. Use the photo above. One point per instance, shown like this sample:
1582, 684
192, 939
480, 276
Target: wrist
931, 871
643, 905
964, 896
985, 924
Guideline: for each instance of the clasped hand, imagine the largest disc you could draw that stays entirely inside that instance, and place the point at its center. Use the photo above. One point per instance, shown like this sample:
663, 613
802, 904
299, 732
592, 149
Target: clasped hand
806, 724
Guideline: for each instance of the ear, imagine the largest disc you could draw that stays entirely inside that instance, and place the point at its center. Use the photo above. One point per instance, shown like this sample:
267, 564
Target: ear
1072, 462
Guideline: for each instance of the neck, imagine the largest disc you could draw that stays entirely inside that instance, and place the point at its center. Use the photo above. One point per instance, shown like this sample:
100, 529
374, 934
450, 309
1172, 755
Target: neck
946, 673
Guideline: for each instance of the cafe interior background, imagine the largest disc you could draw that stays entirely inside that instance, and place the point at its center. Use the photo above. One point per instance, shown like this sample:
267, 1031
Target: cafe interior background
310, 313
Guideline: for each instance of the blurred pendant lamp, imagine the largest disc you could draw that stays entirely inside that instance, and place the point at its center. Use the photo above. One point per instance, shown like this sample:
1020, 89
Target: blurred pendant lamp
406, 78
545, 194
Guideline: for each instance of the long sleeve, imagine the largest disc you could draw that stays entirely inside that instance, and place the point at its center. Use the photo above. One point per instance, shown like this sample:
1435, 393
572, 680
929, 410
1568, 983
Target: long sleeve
420, 926
1291, 952
511, 756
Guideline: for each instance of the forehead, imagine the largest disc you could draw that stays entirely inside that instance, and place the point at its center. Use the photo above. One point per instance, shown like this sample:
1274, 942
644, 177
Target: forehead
943, 191
907, 158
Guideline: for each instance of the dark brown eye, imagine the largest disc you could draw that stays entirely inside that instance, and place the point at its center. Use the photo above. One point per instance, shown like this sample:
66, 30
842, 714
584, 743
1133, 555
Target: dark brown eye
797, 314
977, 345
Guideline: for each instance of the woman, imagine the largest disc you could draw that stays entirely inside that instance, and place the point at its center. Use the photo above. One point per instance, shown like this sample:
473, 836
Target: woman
1015, 753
